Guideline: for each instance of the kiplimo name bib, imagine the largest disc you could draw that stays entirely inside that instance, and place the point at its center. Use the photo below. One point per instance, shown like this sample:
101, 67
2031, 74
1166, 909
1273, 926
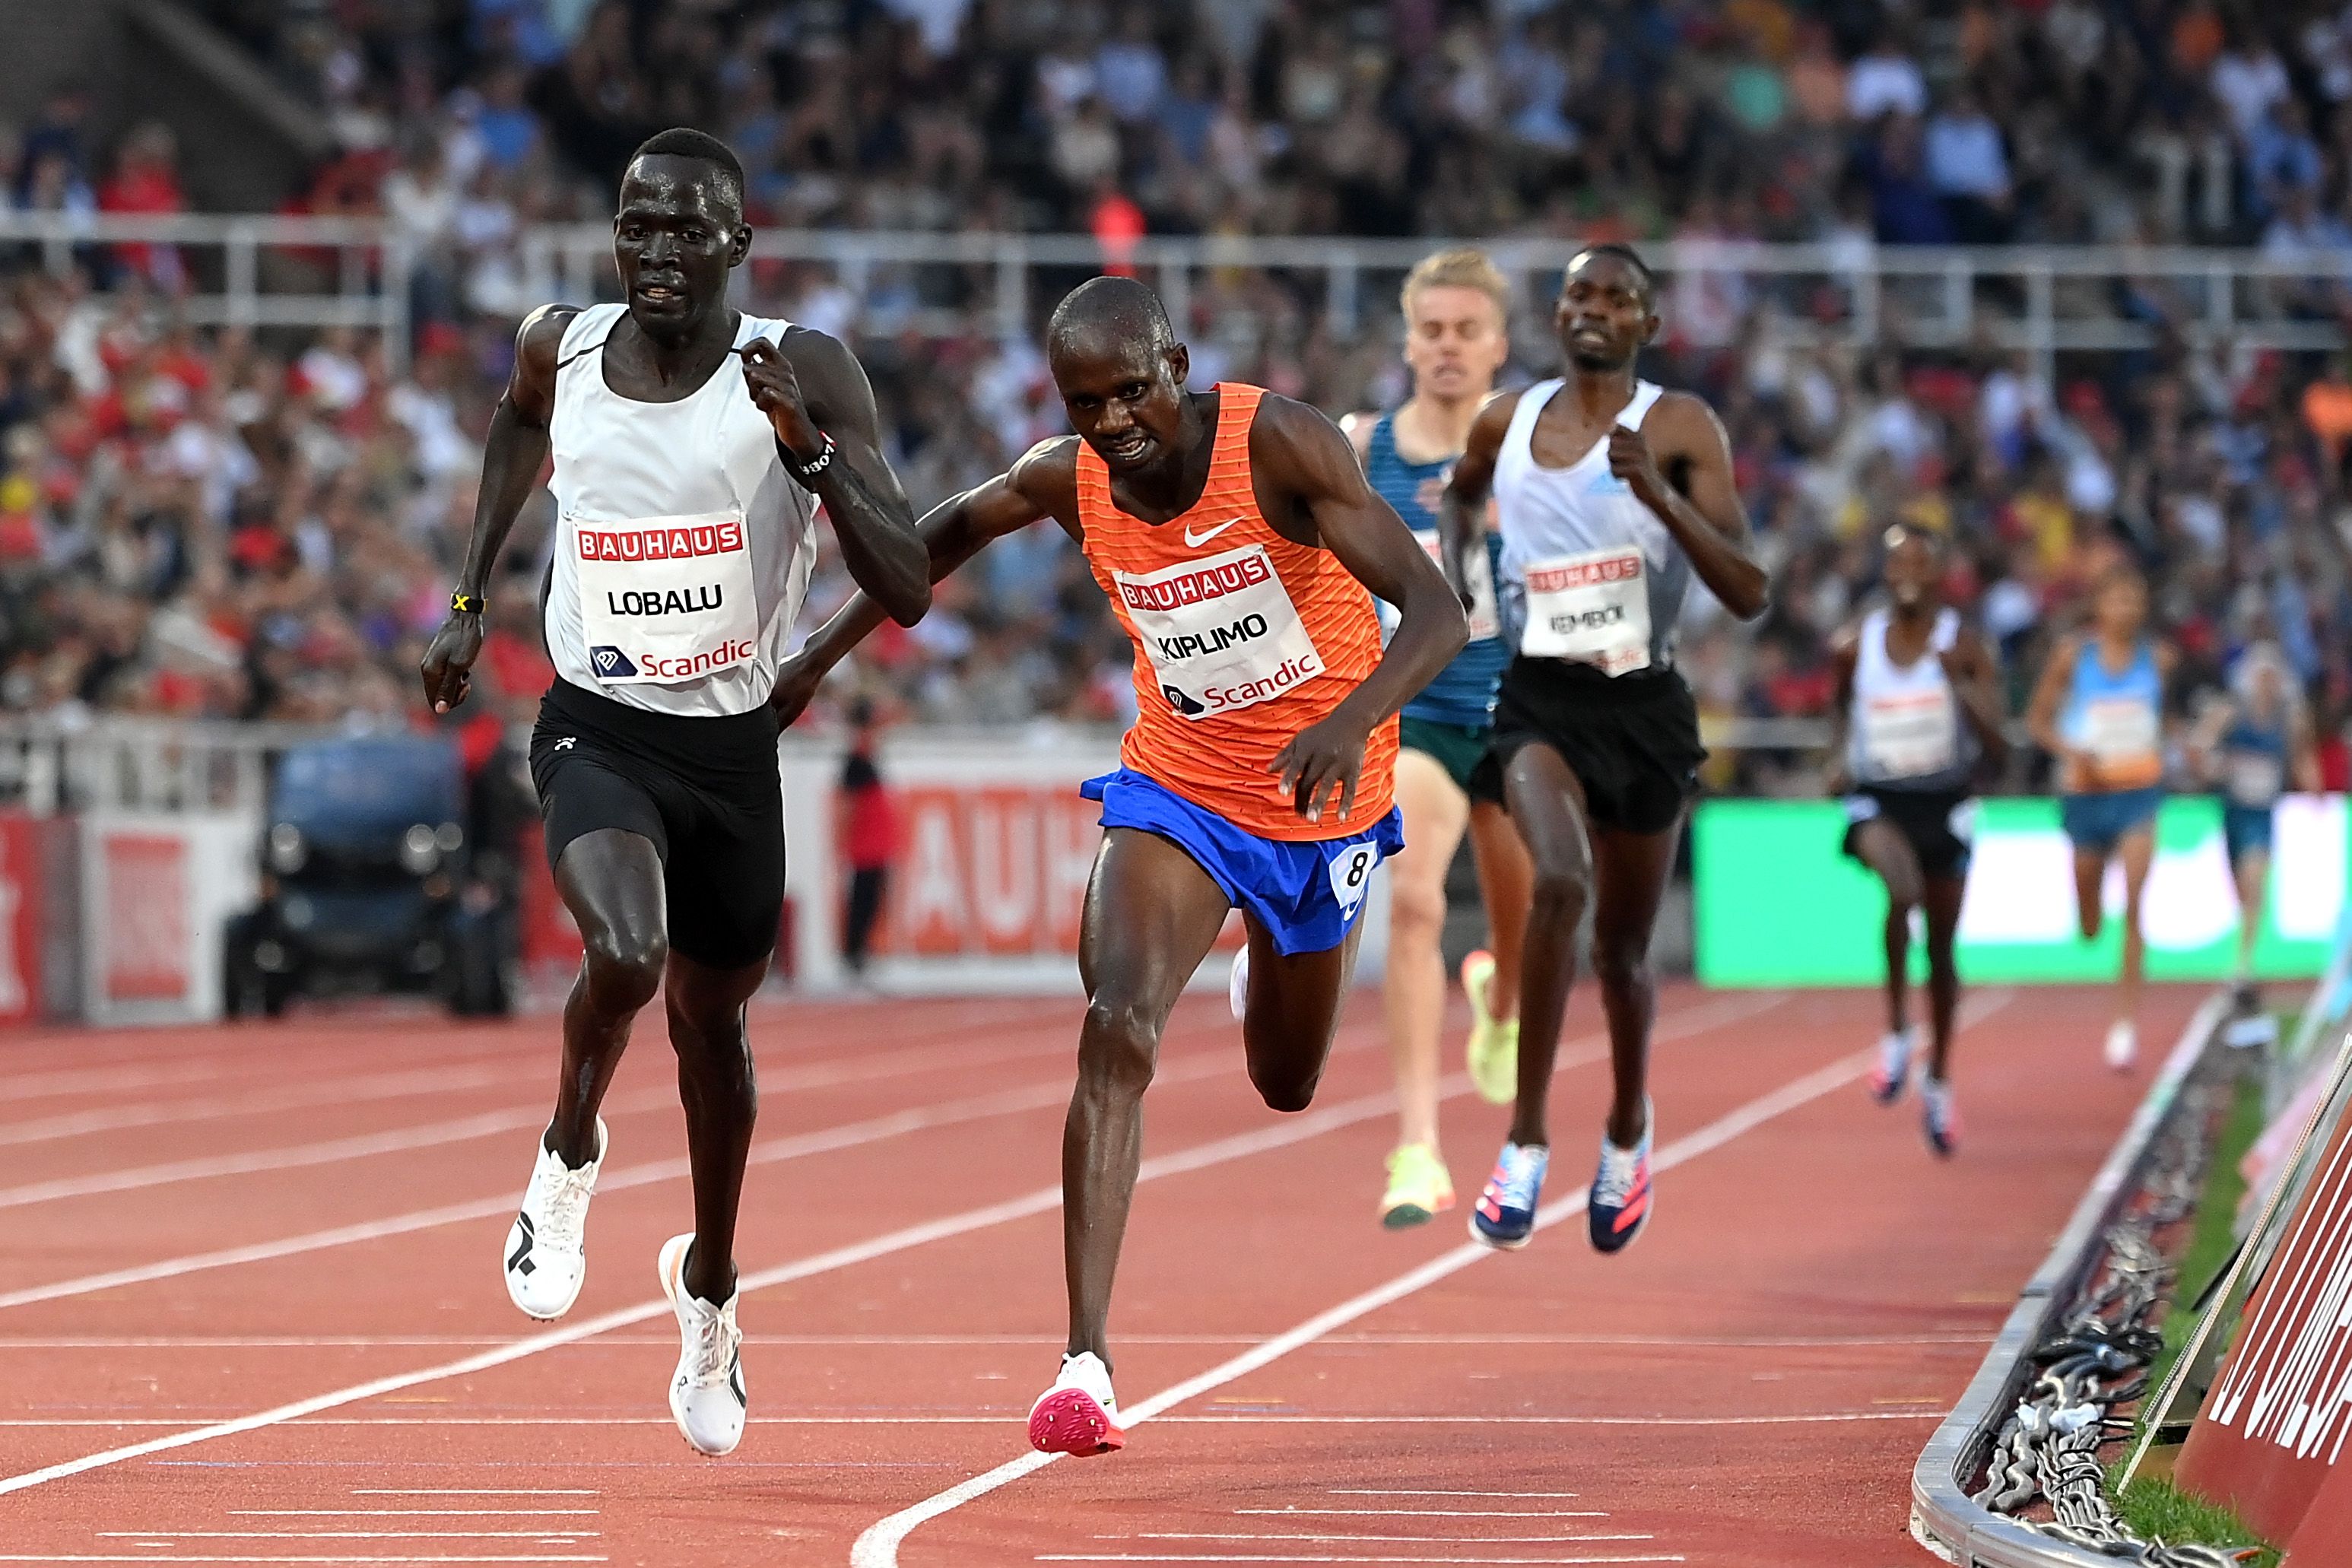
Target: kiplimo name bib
1592, 608
1222, 633
665, 599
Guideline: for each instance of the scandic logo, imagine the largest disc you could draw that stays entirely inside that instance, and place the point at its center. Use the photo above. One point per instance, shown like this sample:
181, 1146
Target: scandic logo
612, 664
661, 543
1584, 573
1192, 587
1247, 694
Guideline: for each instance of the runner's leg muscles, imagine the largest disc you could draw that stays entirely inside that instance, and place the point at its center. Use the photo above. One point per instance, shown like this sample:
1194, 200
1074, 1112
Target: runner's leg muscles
1885, 850
2252, 874
1505, 883
1943, 895
2137, 851
1151, 915
1548, 804
611, 880
1412, 989
2090, 878
1630, 874
715, 1084
1294, 1010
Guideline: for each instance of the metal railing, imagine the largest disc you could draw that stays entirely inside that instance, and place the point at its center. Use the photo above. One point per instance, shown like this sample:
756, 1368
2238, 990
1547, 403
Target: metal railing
264, 270
50, 764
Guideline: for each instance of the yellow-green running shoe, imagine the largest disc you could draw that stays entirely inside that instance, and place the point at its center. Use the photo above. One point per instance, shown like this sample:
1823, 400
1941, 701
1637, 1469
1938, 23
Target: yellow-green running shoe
1493, 1048
1418, 1188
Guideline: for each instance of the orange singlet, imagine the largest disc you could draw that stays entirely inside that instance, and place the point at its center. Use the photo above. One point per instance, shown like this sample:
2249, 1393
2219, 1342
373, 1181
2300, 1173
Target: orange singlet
1242, 638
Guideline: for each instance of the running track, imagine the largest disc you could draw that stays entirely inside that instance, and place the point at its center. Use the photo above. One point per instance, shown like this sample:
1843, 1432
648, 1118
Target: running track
250, 1308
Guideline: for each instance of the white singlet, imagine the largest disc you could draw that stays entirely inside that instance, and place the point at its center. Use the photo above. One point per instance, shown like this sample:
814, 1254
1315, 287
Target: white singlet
1907, 731
683, 548
1588, 573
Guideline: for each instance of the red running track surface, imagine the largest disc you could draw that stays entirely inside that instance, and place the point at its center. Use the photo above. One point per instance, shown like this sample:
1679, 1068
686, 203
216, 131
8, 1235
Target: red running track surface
250, 1308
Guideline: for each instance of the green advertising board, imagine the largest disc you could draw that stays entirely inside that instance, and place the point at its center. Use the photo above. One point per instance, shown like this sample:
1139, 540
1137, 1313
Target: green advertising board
1778, 904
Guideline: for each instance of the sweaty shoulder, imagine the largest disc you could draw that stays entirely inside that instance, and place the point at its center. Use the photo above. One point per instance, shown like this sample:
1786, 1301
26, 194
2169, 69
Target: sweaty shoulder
1683, 414
1493, 422
1047, 476
540, 339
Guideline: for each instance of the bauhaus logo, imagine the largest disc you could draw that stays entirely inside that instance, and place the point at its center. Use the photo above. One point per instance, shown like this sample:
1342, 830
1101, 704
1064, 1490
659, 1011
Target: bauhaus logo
1583, 573
682, 543
1173, 592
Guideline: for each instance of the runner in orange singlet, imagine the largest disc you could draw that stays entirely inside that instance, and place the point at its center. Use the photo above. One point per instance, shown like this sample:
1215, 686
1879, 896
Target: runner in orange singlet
1237, 537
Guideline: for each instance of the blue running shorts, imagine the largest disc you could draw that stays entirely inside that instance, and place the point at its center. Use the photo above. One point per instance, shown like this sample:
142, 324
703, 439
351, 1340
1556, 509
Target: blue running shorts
2097, 821
1307, 894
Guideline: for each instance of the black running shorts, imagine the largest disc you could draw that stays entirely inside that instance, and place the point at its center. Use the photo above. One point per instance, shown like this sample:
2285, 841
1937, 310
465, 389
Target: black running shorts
1631, 739
1936, 823
705, 790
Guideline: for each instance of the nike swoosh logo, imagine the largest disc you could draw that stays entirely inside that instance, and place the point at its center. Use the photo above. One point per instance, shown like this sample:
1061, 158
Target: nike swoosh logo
1198, 540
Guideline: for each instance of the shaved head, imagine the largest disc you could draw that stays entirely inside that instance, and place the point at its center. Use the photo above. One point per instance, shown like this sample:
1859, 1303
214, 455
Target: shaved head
1111, 309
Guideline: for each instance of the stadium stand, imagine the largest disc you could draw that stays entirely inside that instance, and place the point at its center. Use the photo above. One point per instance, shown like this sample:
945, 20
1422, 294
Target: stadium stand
263, 523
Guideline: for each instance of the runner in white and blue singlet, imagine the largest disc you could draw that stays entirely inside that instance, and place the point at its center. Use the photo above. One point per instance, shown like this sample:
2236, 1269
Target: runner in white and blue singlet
2254, 745
1456, 315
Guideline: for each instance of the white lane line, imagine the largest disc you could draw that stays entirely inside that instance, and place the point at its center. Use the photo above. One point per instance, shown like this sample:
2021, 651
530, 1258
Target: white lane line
551, 1534
1262, 1557
795, 1147
1421, 1513
462, 1130
879, 1546
345, 1091
1200, 1156
1392, 1491
622, 1341
1402, 1539
999, 1417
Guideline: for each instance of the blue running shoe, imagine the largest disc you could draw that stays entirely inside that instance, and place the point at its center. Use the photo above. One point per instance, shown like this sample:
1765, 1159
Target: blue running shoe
1619, 1204
1506, 1215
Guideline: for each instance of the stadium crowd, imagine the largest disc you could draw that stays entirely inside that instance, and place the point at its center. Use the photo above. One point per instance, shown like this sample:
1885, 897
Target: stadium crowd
266, 526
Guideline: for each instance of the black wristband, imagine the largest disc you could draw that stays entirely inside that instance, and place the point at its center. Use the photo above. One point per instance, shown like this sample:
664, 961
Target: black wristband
806, 473
461, 602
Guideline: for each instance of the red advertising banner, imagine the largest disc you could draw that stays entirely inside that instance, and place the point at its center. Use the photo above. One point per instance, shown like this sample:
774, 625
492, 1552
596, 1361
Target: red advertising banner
23, 889
2276, 1423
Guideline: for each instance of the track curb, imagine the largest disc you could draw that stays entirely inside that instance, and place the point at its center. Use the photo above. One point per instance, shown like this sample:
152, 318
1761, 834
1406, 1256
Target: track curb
1944, 1518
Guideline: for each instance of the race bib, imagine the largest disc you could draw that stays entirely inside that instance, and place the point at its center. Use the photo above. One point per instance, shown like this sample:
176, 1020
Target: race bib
1479, 576
1910, 734
1592, 608
665, 599
1221, 633
2119, 730
2253, 778
1351, 874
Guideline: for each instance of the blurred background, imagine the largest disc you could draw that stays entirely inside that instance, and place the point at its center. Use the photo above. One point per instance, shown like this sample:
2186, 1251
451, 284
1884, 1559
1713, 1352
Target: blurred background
2062, 280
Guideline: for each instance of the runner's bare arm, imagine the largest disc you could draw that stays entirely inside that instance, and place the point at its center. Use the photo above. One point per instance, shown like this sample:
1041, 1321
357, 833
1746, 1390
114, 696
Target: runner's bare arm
512, 457
1976, 682
1679, 465
1313, 468
2303, 747
1042, 483
2042, 710
1463, 514
1845, 652
813, 387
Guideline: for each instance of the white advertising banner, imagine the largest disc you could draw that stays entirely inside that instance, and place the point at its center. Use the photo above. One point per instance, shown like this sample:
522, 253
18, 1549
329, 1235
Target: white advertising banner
156, 892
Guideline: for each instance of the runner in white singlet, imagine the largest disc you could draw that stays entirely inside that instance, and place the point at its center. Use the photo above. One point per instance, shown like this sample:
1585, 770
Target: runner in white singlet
1917, 690
1613, 495
685, 488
